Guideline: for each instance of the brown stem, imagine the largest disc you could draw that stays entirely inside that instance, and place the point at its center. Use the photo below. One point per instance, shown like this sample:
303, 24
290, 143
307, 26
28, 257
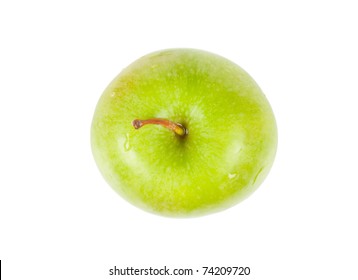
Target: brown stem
177, 128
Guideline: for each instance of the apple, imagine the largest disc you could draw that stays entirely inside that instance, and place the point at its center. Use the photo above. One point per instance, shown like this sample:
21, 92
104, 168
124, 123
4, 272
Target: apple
183, 132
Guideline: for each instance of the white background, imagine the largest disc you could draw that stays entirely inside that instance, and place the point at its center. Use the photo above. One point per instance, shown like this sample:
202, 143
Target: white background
59, 218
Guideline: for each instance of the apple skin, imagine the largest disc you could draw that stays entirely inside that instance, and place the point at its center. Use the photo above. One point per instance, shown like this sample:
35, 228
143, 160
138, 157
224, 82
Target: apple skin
231, 141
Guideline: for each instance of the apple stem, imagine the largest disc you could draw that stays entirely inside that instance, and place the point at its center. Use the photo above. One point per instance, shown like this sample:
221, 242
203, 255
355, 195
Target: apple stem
177, 128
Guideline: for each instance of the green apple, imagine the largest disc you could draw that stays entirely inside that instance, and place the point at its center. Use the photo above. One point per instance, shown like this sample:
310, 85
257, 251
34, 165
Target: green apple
183, 132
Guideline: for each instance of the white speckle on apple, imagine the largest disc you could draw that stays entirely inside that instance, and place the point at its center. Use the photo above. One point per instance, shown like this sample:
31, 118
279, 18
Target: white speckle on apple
231, 176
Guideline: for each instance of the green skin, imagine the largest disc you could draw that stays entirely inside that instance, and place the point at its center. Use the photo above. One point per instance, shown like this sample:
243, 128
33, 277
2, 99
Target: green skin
227, 153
